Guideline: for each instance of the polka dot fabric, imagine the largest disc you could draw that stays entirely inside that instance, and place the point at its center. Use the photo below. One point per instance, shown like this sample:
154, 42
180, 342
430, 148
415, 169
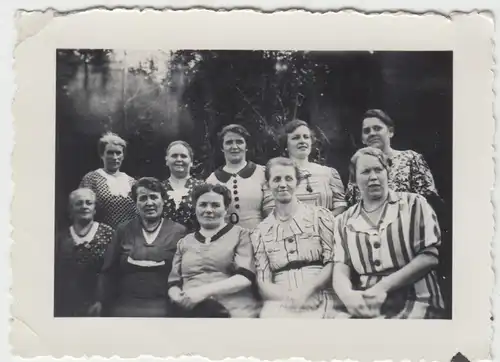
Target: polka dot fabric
111, 209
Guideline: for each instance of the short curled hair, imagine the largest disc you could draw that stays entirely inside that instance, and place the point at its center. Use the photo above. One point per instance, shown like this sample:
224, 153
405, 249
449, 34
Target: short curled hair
235, 128
80, 191
110, 138
149, 183
281, 161
368, 151
290, 127
208, 187
183, 143
381, 115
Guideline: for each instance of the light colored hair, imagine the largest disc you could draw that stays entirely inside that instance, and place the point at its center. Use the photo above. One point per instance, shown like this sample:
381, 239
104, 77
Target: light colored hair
368, 151
110, 138
80, 191
281, 161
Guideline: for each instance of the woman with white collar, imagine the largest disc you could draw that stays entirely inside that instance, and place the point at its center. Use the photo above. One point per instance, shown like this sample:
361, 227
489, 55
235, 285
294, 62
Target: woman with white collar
243, 178
111, 186
78, 255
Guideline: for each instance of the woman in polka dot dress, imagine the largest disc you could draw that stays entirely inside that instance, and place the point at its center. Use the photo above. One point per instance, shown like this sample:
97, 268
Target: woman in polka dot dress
244, 178
111, 186
179, 186
79, 254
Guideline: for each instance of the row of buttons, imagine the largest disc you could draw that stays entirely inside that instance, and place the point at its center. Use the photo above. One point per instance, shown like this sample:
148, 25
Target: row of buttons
235, 192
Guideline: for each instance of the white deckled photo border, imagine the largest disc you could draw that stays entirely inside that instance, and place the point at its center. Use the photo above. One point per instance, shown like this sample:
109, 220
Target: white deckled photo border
34, 332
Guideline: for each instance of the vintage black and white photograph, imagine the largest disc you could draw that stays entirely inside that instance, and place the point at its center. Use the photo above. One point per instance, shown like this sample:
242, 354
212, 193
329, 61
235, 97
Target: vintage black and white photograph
241, 191
253, 184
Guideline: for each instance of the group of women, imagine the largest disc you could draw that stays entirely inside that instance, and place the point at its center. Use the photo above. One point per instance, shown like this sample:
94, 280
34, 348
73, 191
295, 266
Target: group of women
281, 240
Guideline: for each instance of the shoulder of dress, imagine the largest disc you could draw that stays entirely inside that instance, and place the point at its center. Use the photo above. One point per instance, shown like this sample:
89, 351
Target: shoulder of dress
106, 227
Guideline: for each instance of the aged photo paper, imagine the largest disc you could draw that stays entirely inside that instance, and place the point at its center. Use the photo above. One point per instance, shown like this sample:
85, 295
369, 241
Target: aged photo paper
184, 167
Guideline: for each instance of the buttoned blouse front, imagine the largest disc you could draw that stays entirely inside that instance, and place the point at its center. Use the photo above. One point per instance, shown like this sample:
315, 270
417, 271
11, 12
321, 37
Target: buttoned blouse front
306, 239
229, 253
408, 227
247, 193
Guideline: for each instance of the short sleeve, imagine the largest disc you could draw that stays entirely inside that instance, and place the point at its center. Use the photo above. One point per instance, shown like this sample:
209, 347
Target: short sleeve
422, 181
426, 230
86, 181
262, 267
325, 228
337, 188
175, 276
340, 246
243, 256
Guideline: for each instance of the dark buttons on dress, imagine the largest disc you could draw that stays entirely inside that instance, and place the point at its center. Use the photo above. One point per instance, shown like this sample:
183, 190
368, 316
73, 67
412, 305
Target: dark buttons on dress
237, 206
235, 186
235, 192
236, 198
235, 181
293, 251
376, 245
290, 240
377, 262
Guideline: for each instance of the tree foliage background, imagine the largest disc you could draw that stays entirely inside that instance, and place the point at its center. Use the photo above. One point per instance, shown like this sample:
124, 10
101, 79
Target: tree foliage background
153, 98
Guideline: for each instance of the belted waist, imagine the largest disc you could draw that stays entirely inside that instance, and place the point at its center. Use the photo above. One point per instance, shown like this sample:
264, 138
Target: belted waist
298, 264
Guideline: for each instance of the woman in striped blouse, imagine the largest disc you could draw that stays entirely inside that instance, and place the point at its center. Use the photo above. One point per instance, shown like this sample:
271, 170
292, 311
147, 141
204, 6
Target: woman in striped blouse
390, 241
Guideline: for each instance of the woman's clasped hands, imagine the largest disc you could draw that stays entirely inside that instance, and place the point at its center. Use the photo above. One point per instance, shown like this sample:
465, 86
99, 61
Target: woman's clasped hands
188, 299
301, 298
367, 303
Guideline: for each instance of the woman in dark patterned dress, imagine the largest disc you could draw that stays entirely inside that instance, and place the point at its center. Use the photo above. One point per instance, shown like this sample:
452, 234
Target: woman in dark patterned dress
111, 186
179, 186
79, 254
408, 172
133, 279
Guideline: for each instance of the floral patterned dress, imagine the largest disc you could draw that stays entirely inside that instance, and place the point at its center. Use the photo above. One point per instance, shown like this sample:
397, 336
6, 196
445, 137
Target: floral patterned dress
179, 204
78, 261
409, 172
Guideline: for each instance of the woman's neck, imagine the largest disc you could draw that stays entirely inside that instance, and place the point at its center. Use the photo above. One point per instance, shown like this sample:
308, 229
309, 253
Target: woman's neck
82, 225
300, 162
235, 167
151, 224
211, 232
371, 205
284, 212
177, 181
111, 173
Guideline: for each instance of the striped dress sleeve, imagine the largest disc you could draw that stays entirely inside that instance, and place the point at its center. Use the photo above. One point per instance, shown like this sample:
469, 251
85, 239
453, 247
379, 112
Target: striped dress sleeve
425, 232
262, 267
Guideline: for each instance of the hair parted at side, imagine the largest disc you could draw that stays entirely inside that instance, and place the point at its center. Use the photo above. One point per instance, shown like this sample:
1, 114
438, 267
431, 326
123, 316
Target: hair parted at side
208, 187
290, 127
281, 161
381, 115
368, 151
235, 128
183, 143
150, 183
110, 138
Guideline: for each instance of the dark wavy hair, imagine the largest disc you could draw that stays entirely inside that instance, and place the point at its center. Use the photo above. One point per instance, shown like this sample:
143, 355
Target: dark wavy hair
381, 115
217, 188
235, 128
289, 128
149, 183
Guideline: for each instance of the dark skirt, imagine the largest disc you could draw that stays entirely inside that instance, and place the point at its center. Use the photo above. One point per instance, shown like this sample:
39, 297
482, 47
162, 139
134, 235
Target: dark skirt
138, 307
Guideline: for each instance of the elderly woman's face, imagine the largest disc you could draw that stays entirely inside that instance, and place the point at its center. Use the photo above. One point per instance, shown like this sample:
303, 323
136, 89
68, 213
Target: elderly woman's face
234, 147
82, 206
112, 157
299, 142
149, 204
210, 210
375, 133
371, 177
282, 183
178, 160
